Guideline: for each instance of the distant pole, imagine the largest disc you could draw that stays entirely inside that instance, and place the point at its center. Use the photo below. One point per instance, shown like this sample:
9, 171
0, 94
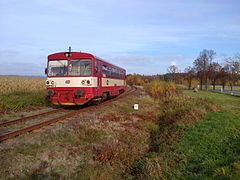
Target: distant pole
69, 49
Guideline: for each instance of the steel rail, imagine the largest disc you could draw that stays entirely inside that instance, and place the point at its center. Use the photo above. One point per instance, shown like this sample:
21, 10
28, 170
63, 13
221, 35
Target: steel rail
27, 118
53, 120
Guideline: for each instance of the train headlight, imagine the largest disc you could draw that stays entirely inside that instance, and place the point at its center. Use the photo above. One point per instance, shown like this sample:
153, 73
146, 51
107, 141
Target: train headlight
50, 92
79, 92
86, 82
47, 83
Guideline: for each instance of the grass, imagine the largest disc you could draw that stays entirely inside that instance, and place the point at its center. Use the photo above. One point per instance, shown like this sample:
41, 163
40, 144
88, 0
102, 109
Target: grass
197, 137
102, 144
16, 101
18, 93
190, 136
225, 102
211, 147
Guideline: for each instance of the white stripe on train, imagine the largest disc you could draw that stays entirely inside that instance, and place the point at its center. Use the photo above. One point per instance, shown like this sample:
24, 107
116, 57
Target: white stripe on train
82, 82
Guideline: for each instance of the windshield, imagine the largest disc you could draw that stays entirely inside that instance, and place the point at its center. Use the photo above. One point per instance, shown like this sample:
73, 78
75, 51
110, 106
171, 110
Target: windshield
57, 68
82, 67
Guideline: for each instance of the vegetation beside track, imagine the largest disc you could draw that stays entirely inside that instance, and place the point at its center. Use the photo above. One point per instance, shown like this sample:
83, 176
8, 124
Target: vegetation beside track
97, 145
17, 101
18, 93
189, 135
197, 137
212, 146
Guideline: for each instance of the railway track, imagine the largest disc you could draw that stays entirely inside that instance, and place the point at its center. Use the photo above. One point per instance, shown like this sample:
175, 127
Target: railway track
68, 114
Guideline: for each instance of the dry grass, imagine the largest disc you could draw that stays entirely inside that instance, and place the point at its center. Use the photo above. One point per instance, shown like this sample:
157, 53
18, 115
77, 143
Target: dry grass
10, 84
18, 92
160, 89
101, 144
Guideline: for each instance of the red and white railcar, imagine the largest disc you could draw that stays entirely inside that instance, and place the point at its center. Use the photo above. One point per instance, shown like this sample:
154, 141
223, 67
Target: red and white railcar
75, 78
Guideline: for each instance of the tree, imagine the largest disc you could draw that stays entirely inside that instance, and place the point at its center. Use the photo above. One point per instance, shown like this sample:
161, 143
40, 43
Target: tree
189, 76
223, 76
201, 65
173, 70
214, 69
232, 68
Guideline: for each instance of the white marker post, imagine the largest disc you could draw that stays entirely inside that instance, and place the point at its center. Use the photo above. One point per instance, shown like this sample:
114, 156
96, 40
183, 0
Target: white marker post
136, 107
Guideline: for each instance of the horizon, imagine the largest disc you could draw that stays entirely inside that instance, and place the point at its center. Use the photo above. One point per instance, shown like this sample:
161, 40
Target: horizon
143, 37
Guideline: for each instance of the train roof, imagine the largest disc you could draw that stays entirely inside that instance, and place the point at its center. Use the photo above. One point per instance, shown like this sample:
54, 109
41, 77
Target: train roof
60, 55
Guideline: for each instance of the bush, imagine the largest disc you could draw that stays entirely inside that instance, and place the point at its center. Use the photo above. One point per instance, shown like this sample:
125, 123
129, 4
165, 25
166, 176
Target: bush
159, 89
134, 80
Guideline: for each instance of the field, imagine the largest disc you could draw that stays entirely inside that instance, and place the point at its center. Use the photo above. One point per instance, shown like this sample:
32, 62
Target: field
18, 93
211, 148
187, 136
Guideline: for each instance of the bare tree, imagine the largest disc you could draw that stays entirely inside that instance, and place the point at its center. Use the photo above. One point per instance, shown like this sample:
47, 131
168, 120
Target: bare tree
173, 70
201, 65
189, 75
199, 68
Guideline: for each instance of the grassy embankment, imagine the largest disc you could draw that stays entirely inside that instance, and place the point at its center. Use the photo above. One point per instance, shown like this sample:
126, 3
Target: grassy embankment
191, 136
195, 139
17, 93
212, 146
101, 144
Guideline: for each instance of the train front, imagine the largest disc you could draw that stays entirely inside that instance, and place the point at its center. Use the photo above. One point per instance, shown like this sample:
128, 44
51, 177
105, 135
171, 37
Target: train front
70, 78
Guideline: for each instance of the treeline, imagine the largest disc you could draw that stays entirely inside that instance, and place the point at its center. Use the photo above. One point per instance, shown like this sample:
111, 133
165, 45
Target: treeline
208, 71
205, 71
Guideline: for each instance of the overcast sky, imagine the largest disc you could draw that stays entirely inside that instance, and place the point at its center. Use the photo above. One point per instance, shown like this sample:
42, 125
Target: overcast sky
142, 36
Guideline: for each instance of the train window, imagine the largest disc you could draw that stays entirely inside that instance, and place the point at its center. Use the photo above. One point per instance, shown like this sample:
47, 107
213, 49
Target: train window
109, 72
82, 67
112, 72
104, 70
96, 67
57, 68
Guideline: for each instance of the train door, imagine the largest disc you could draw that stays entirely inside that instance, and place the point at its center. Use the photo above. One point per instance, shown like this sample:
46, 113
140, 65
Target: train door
98, 75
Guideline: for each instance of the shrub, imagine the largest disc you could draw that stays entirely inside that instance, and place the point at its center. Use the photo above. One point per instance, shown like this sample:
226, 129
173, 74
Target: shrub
159, 89
134, 80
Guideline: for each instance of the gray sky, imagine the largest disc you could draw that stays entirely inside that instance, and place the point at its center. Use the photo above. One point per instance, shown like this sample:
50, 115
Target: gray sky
142, 36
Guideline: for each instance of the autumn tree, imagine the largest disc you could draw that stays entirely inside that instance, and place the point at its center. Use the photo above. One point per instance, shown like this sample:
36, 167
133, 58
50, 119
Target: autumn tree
189, 75
201, 65
223, 77
232, 68
213, 73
